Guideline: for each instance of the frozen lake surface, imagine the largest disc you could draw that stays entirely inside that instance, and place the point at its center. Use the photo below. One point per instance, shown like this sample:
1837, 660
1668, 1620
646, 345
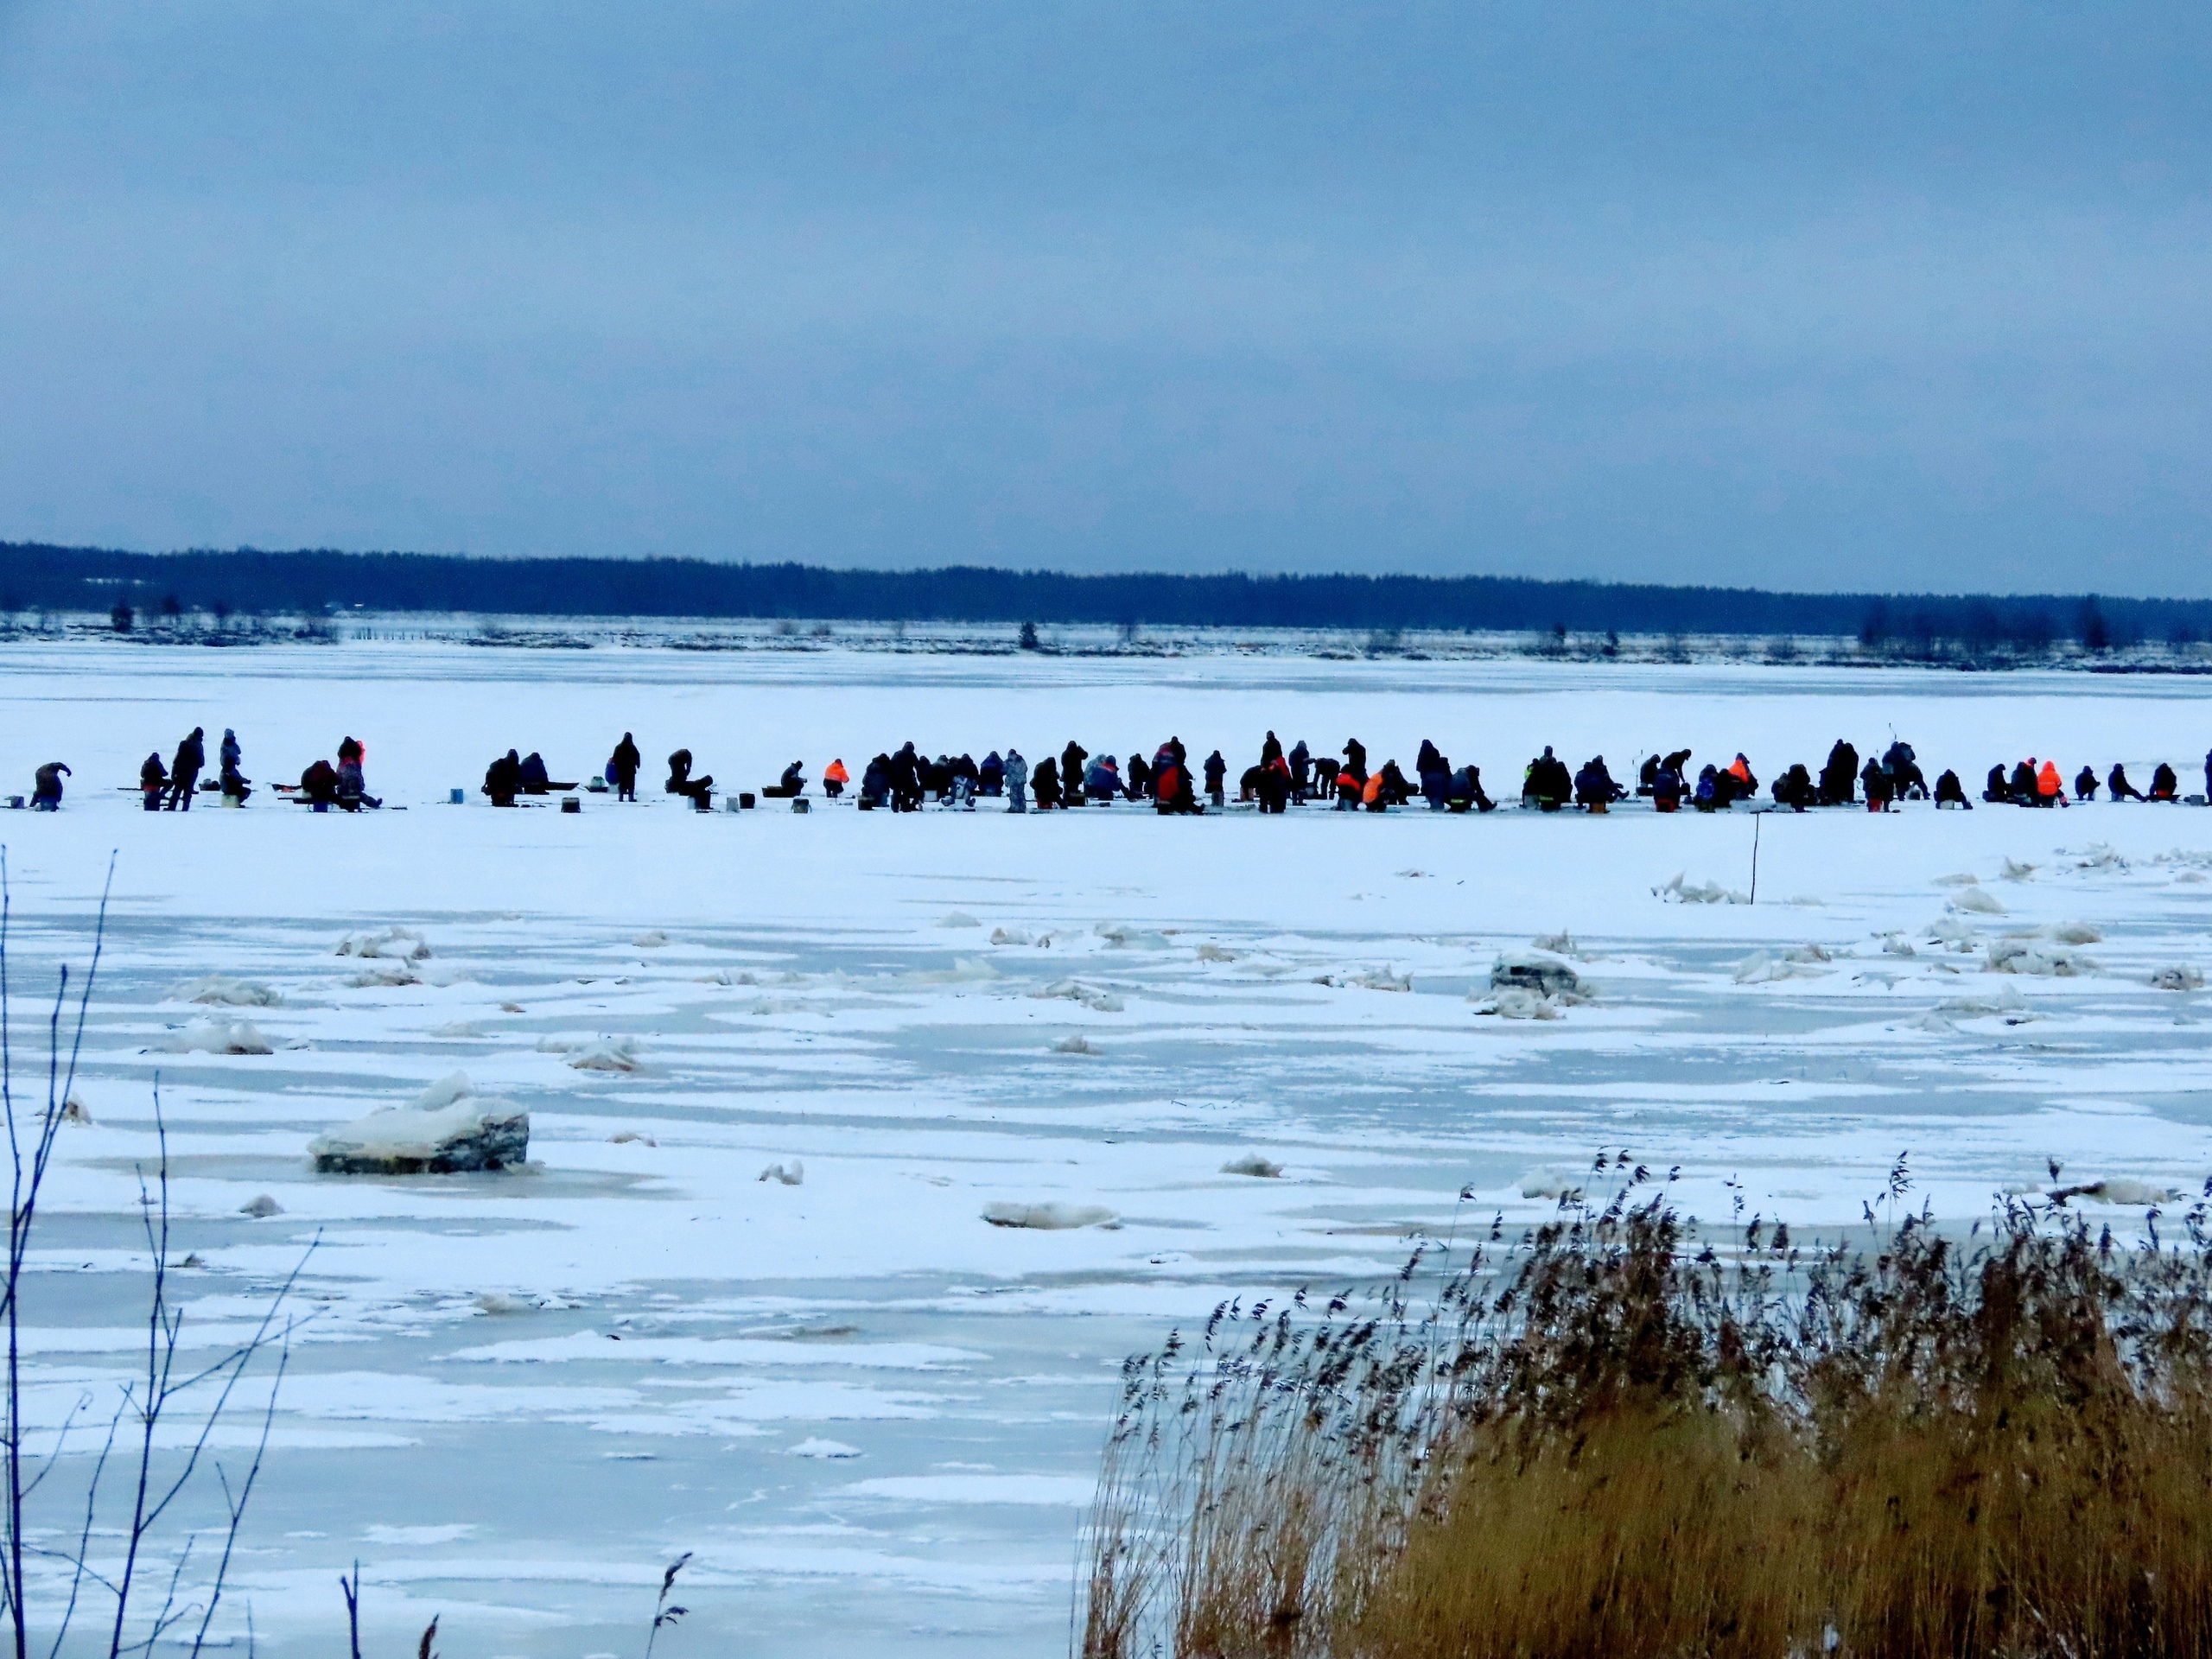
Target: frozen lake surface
872, 1416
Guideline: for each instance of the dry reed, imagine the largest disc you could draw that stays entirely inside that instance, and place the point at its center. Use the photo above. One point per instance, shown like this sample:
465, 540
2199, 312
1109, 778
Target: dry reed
1613, 1438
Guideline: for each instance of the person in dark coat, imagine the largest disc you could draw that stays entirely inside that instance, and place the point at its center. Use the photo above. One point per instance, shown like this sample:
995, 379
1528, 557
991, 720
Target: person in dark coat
1272, 787
1136, 782
1794, 788
875, 784
503, 778
1880, 787
1044, 785
1355, 760
235, 784
1950, 793
184, 772
2085, 784
1301, 770
45, 795
990, 776
2022, 790
2117, 784
535, 779
1466, 791
906, 779
1840, 777
624, 764
1071, 769
1271, 751
700, 791
318, 784
2165, 785
153, 782
1217, 771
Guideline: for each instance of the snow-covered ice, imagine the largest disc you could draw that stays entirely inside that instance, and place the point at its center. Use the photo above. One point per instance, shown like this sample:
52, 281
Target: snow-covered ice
1056, 1083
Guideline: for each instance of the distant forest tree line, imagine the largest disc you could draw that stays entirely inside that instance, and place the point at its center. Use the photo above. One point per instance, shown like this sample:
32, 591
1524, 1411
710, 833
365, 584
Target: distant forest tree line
247, 583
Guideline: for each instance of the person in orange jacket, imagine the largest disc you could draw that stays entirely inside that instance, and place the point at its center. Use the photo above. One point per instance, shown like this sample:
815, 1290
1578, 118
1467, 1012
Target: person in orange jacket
834, 778
2050, 791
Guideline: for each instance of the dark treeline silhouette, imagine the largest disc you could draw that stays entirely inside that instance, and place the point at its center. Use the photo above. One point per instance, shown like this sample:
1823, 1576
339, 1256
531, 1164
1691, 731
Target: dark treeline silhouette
247, 583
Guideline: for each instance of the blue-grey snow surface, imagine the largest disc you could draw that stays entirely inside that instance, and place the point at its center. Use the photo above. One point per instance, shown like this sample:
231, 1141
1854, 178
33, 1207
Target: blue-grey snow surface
871, 1413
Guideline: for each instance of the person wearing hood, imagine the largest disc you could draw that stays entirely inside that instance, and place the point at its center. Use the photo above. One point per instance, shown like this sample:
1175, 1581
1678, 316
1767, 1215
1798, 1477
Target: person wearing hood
2117, 786
2050, 789
1880, 787
1044, 785
875, 784
2085, 784
153, 781
1839, 778
1355, 760
1015, 772
622, 768
1216, 775
184, 772
502, 778
1270, 749
906, 779
1273, 786
2164, 784
835, 778
1794, 788
1101, 780
1301, 770
1465, 791
990, 776
535, 780
1950, 793
1136, 782
1072, 767
233, 782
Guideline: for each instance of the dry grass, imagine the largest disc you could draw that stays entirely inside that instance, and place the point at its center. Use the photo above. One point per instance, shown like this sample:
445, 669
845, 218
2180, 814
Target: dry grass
1610, 1439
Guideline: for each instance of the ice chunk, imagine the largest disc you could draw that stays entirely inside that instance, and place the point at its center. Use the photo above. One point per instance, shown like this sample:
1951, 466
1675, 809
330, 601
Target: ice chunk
1252, 1164
631, 1137
220, 1037
261, 1208
605, 1054
788, 1172
2181, 976
1961, 880
221, 988
2011, 871
1010, 935
402, 943
1049, 1217
815, 1446
1677, 891
652, 940
2078, 933
1384, 978
1512, 1002
1978, 901
1548, 1184
393, 972
2033, 957
1076, 1044
447, 1127
1762, 968
1212, 952
957, 918
2119, 1190
1119, 937
1545, 975
1092, 997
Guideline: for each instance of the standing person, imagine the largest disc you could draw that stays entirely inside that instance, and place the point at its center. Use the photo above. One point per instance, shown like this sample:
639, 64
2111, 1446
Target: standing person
1044, 784
1015, 776
623, 763
1355, 760
184, 772
153, 782
1270, 750
1072, 760
1217, 770
1302, 764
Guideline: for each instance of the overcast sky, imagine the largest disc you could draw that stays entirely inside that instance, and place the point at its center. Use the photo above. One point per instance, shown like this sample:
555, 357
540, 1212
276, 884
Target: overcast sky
1807, 295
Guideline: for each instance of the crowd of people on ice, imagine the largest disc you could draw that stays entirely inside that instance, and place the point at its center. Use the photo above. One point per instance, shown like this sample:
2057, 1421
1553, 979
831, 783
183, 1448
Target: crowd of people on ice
906, 779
